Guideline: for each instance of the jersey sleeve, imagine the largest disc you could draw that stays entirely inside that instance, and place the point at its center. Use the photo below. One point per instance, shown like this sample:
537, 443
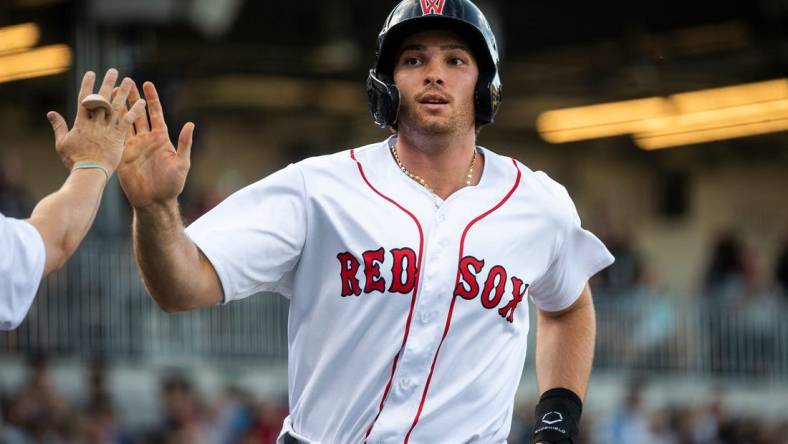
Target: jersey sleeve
578, 255
22, 257
254, 238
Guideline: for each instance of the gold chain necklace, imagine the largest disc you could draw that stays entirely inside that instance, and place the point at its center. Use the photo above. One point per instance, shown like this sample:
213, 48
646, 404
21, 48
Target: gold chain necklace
419, 179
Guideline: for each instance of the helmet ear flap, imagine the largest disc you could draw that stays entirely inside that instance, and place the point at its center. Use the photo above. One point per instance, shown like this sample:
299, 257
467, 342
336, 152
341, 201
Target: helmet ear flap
488, 98
383, 100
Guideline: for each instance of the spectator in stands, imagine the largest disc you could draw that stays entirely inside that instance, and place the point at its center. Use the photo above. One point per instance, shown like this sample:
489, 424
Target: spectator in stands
781, 271
267, 423
760, 313
38, 410
183, 415
98, 425
98, 422
653, 315
629, 423
623, 274
708, 419
682, 422
232, 415
660, 428
14, 197
780, 432
725, 274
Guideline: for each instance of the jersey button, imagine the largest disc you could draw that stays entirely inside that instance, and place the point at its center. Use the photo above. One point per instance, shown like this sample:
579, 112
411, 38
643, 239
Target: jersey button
405, 383
441, 217
425, 317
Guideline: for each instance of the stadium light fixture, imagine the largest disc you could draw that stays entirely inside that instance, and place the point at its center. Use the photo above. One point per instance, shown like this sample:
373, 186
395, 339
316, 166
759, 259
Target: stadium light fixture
679, 119
37, 62
18, 37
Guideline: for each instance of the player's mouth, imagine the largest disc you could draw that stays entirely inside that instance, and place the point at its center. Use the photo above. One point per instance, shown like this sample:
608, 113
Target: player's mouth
433, 101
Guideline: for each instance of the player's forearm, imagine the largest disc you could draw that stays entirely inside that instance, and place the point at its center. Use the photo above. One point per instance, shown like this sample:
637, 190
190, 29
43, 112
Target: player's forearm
175, 272
64, 217
565, 347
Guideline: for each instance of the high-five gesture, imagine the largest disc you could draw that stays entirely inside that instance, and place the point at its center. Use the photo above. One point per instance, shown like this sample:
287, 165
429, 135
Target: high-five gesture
152, 174
97, 138
152, 171
91, 149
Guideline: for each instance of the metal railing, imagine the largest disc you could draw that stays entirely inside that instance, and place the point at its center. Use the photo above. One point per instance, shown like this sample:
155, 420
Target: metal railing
97, 306
646, 331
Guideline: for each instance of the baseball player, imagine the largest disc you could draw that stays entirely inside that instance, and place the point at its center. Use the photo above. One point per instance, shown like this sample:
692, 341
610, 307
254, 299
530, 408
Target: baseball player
32, 248
409, 263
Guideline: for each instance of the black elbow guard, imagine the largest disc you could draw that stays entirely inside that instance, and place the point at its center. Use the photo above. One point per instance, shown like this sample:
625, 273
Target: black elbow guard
557, 417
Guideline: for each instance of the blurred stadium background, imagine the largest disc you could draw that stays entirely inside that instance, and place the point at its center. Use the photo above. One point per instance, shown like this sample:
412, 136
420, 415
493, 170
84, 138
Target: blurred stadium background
665, 119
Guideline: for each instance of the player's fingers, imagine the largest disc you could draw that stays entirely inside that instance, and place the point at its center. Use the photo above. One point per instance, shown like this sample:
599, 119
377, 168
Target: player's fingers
122, 111
127, 122
141, 123
59, 126
154, 107
185, 140
109, 82
106, 91
85, 90
120, 94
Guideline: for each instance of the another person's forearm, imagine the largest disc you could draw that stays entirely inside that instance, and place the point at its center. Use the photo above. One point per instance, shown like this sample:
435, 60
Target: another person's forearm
565, 347
64, 217
175, 272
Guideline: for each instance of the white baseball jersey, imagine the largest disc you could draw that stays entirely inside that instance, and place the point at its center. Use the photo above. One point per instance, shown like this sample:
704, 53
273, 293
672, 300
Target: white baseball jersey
22, 257
408, 314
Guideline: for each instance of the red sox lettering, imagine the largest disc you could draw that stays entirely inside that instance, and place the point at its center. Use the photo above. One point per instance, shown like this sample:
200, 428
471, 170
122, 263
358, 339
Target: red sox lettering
404, 276
494, 286
403, 271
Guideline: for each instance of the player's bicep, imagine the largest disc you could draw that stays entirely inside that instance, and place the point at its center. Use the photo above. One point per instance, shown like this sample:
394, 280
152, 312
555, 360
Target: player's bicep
212, 292
584, 299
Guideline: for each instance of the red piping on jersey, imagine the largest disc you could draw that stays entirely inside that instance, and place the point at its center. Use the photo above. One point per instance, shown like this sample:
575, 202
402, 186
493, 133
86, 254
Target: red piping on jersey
412, 299
451, 307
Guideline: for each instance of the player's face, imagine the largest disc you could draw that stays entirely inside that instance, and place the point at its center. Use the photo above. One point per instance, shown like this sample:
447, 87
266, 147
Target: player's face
436, 74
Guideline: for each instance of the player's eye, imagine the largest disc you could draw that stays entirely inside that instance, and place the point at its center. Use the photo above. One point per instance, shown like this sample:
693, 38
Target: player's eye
411, 61
457, 61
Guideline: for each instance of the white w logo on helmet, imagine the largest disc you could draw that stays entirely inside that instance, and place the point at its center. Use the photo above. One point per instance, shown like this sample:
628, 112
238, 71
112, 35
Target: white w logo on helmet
432, 6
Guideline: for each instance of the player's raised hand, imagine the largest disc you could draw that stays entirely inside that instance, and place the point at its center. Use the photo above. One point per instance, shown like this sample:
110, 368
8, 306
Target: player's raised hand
152, 171
97, 136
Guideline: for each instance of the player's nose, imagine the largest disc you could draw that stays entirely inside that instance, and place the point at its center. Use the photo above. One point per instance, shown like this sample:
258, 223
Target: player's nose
433, 72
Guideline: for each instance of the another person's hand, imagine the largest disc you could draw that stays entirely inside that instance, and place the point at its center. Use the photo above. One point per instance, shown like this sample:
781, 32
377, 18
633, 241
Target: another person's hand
152, 171
97, 138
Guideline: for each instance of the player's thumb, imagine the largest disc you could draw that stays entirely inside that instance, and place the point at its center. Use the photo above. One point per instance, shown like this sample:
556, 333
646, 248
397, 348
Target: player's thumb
58, 125
185, 142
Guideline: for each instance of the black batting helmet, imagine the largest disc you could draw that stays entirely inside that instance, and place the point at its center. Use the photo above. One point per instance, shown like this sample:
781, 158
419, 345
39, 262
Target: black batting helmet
410, 16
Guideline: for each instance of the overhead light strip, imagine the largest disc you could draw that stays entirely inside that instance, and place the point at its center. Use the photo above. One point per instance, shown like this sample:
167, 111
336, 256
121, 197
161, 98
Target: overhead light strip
18, 37
745, 107
46, 60
733, 131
